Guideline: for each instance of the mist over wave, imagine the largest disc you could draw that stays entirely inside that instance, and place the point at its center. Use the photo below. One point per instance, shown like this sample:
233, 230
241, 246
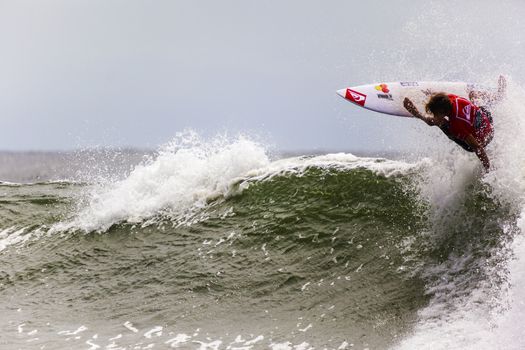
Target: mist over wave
184, 175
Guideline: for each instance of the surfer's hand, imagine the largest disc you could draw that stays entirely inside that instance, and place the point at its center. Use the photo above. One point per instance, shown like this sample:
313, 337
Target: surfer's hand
410, 107
407, 103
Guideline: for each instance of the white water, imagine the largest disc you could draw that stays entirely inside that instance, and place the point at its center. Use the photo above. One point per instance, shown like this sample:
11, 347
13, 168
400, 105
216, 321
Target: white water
184, 175
455, 41
489, 316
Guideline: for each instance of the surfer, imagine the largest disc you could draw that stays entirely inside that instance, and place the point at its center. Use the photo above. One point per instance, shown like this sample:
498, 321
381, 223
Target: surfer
462, 121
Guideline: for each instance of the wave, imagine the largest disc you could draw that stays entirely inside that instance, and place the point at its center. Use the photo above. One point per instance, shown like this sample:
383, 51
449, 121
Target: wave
433, 240
189, 173
325, 230
428, 241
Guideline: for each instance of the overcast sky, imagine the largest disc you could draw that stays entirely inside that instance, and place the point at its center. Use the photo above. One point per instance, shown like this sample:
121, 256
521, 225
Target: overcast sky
133, 73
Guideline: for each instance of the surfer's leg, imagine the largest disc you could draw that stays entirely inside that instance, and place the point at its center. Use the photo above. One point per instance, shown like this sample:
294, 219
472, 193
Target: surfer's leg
488, 138
484, 128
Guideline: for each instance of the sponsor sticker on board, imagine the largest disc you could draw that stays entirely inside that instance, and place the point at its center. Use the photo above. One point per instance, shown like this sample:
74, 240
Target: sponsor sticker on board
427, 92
409, 83
355, 97
387, 97
382, 87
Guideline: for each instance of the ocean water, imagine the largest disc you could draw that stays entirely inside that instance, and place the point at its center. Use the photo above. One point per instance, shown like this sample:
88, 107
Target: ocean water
217, 244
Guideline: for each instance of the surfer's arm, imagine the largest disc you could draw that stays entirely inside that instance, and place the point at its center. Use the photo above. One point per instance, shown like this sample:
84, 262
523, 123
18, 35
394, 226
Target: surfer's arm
479, 150
413, 110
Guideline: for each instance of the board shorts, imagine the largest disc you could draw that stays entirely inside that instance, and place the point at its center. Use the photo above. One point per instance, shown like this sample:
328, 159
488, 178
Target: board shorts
478, 123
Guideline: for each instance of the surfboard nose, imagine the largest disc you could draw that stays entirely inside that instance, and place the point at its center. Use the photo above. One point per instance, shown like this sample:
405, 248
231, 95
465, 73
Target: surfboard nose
353, 95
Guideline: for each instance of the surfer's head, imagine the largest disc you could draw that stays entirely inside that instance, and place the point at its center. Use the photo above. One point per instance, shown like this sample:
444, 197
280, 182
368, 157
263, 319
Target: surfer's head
439, 105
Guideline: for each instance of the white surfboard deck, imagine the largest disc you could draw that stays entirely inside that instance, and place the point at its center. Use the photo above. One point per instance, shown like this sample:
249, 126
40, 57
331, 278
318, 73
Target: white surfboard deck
388, 98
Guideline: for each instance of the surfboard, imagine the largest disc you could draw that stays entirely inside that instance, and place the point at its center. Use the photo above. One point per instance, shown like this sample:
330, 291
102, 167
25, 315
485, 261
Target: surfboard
388, 98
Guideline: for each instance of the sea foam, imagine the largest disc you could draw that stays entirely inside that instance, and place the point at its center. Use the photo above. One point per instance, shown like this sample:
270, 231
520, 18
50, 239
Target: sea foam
487, 316
184, 175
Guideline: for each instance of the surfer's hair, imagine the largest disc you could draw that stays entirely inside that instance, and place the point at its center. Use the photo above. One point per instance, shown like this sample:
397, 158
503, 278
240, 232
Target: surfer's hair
439, 104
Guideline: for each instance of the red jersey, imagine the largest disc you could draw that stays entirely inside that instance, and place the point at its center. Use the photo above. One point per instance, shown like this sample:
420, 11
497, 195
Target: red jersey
467, 118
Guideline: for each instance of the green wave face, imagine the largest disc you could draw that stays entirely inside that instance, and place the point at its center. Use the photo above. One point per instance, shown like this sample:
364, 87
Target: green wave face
326, 256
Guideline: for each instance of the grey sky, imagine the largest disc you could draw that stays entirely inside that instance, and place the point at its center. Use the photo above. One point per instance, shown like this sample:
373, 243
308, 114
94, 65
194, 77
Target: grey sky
133, 73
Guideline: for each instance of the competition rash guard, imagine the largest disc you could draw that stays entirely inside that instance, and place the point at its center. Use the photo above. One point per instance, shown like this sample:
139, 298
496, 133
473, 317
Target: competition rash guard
465, 119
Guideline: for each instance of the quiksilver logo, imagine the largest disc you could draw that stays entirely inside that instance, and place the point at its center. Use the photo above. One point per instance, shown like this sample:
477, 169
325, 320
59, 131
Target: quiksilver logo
466, 111
356, 97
